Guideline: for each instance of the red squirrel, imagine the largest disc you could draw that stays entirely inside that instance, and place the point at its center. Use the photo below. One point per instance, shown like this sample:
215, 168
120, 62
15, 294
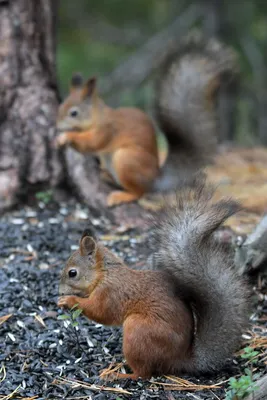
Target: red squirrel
124, 139
185, 314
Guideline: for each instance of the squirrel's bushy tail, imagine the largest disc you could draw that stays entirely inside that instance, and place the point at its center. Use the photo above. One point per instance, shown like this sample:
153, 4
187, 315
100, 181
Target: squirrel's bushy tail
205, 274
186, 105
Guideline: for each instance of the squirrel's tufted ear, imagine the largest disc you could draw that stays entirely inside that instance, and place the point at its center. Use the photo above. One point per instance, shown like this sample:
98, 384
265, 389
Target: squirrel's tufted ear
87, 244
87, 232
76, 81
89, 87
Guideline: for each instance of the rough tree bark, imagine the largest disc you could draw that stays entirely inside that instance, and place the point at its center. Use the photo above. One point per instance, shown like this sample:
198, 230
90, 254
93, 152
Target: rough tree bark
28, 98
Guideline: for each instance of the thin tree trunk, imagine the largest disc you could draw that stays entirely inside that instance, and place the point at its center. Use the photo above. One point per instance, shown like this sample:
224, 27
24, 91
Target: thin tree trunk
151, 55
215, 24
28, 98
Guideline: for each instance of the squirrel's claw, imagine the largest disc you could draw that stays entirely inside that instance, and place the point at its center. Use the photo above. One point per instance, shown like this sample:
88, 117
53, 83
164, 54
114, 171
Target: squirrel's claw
108, 375
61, 140
66, 301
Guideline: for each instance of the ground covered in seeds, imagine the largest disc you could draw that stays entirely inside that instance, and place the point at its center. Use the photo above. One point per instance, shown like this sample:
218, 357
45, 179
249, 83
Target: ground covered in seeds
43, 357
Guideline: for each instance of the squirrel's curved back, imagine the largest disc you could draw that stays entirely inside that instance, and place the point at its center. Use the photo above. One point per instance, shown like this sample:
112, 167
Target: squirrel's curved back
205, 274
185, 104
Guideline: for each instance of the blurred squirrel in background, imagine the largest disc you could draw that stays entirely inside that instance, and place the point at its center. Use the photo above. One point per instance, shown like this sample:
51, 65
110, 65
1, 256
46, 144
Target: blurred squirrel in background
188, 312
124, 139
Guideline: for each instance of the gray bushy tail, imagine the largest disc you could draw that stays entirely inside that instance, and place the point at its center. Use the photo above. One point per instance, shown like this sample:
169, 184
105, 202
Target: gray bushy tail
205, 274
186, 105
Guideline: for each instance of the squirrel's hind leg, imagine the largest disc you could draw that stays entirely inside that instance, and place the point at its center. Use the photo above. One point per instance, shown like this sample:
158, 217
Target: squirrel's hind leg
136, 171
142, 347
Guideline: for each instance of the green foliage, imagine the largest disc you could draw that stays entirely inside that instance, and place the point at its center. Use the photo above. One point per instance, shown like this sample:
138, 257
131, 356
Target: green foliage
63, 316
72, 316
46, 197
240, 387
250, 354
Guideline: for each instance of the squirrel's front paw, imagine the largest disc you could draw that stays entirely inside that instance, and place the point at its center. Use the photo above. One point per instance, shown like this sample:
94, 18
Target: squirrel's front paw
67, 301
61, 140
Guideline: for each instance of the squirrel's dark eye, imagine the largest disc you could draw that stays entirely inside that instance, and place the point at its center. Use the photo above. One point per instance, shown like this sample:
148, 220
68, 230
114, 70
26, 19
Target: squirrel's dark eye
72, 273
73, 112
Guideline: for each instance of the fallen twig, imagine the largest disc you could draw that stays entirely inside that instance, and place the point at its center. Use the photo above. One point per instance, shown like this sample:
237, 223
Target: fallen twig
9, 396
76, 383
3, 371
4, 318
183, 384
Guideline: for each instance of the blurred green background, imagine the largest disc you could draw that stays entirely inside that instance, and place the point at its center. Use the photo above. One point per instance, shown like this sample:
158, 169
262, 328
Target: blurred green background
95, 36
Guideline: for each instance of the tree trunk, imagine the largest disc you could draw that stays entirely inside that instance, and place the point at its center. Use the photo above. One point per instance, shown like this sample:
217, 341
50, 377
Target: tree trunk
28, 98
